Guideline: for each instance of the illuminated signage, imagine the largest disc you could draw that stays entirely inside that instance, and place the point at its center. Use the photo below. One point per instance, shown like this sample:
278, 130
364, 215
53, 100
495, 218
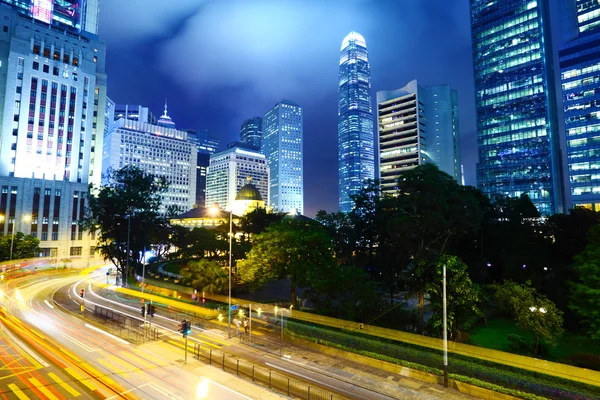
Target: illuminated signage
42, 10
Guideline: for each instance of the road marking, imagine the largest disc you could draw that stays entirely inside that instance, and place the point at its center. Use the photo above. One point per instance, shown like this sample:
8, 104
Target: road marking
226, 388
118, 339
48, 304
162, 390
17, 391
113, 370
77, 342
64, 385
78, 377
43, 389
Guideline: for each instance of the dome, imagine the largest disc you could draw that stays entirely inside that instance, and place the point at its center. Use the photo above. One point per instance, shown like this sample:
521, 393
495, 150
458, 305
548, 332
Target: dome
249, 192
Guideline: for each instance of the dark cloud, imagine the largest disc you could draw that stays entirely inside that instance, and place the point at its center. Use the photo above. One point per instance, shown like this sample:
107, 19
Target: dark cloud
220, 62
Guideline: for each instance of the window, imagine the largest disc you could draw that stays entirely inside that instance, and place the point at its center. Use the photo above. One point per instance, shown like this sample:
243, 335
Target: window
5, 28
75, 251
36, 65
46, 68
44, 235
75, 61
56, 55
36, 49
55, 72
47, 52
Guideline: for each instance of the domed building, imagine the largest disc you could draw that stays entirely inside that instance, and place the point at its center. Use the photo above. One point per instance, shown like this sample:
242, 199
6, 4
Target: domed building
247, 199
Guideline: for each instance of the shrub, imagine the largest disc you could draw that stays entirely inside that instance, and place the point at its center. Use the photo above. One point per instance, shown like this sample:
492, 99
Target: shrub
520, 345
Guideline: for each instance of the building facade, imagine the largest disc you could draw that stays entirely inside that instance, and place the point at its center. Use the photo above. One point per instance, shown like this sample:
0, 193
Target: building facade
356, 147
517, 124
229, 171
156, 150
251, 132
282, 145
417, 125
52, 111
580, 76
206, 146
135, 113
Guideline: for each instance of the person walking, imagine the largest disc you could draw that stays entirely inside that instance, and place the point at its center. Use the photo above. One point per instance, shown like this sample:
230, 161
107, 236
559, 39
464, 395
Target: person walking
246, 326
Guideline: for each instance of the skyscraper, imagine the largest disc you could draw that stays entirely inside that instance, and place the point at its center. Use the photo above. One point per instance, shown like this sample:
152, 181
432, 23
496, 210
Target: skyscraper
356, 153
580, 74
53, 109
282, 145
417, 125
230, 170
251, 132
517, 125
206, 146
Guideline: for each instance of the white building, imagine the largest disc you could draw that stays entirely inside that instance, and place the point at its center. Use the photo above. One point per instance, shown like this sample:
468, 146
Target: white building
156, 150
52, 105
229, 171
282, 145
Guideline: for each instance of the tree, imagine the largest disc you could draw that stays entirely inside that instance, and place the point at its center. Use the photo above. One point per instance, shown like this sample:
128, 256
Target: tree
199, 243
258, 220
462, 296
295, 249
130, 202
24, 246
585, 290
531, 310
341, 231
205, 275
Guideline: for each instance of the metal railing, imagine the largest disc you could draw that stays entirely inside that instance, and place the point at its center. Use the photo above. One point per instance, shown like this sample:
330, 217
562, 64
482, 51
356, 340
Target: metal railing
126, 327
273, 380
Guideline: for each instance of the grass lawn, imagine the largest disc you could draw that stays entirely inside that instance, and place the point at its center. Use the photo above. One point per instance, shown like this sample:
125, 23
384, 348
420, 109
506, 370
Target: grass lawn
494, 336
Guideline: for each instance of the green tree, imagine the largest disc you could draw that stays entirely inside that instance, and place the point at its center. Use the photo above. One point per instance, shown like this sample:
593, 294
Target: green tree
531, 310
258, 220
341, 231
295, 249
462, 296
130, 202
206, 276
585, 290
24, 246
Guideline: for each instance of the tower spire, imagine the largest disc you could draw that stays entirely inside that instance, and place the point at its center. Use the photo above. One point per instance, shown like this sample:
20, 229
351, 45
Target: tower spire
165, 114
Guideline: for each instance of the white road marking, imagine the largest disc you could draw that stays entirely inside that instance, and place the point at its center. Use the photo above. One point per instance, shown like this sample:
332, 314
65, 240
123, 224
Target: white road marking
226, 388
48, 304
118, 339
77, 342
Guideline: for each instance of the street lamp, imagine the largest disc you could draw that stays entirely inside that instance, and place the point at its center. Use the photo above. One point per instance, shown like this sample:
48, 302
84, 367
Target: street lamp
214, 211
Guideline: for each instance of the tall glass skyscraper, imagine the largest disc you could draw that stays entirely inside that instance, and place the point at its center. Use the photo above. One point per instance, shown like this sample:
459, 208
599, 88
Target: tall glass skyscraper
356, 154
580, 76
517, 125
251, 132
282, 145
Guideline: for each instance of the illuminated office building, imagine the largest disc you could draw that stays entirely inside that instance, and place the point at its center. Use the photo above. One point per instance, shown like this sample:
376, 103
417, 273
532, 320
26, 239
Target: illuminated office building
417, 125
282, 145
206, 146
356, 152
580, 75
251, 132
515, 94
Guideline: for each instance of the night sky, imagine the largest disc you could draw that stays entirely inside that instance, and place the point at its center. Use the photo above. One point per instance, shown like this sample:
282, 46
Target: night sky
222, 61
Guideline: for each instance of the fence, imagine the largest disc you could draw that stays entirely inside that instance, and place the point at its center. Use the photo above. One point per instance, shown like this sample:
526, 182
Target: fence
273, 380
126, 327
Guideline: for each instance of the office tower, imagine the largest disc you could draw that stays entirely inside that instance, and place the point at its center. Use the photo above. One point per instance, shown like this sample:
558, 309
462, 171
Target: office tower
251, 132
517, 125
74, 15
580, 74
417, 125
135, 113
164, 152
356, 152
206, 147
282, 145
53, 92
229, 171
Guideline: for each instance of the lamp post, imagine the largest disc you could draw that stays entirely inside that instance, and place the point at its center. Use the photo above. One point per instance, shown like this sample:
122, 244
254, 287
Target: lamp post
445, 322
124, 278
214, 210
542, 311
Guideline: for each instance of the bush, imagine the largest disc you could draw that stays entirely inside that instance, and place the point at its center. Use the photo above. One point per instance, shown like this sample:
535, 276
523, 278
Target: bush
586, 360
463, 368
520, 345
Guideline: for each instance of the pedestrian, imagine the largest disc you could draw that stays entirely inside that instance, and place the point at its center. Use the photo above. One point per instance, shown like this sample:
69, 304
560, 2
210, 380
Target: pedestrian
246, 326
238, 323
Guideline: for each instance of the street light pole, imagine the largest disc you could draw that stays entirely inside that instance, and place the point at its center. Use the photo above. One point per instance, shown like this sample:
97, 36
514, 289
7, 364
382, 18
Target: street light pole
445, 330
143, 268
12, 238
124, 278
229, 297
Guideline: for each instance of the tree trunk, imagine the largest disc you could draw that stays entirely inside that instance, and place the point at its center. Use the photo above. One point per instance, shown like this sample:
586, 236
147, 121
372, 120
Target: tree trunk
420, 321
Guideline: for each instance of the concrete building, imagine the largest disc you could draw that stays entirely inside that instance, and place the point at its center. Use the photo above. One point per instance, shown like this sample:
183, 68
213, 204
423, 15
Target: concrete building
135, 113
282, 145
52, 109
206, 146
417, 125
580, 75
156, 150
229, 171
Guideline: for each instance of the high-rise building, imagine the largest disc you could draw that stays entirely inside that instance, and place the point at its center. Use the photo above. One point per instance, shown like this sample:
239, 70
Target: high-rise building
230, 170
206, 146
52, 112
282, 145
517, 125
580, 74
251, 132
356, 151
417, 125
157, 150
75, 15
134, 113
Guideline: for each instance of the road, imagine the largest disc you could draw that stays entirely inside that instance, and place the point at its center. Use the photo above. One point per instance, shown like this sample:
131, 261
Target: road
49, 353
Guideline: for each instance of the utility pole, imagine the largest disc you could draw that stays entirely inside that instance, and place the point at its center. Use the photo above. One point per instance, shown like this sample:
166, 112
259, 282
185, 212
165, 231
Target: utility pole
124, 283
445, 334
